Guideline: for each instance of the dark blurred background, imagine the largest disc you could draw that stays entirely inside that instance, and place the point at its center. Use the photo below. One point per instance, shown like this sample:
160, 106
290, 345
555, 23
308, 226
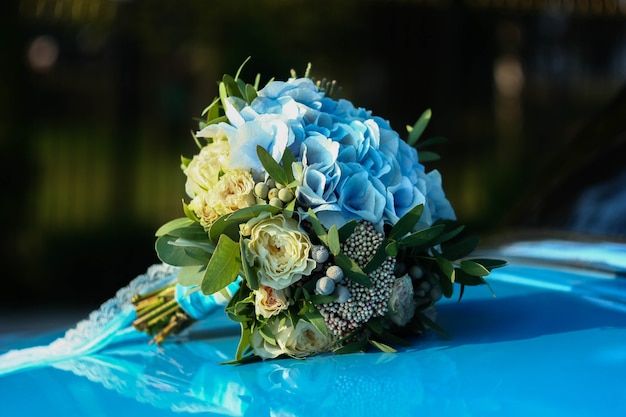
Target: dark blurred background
97, 99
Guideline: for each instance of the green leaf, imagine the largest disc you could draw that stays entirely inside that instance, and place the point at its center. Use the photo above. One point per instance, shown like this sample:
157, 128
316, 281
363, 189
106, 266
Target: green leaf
250, 273
460, 248
392, 249
173, 254
407, 222
267, 334
287, 161
436, 140
190, 276
333, 240
172, 225
375, 325
423, 238
223, 268
346, 230
489, 264
418, 128
314, 317
250, 93
319, 230
465, 278
244, 341
322, 299
379, 257
228, 224
352, 270
272, 167
194, 231
352, 347
428, 156
382, 347
474, 268
432, 324
447, 268
447, 235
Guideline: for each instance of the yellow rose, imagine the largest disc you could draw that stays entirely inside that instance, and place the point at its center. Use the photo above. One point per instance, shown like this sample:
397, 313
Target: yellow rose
268, 302
278, 248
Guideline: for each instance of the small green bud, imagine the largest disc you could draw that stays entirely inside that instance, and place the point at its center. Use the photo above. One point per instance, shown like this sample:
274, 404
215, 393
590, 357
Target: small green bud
285, 194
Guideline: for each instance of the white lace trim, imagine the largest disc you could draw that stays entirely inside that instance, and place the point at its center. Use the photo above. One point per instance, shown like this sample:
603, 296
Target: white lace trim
97, 330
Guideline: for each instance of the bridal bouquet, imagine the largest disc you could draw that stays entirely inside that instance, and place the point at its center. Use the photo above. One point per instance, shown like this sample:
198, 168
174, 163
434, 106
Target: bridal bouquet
317, 223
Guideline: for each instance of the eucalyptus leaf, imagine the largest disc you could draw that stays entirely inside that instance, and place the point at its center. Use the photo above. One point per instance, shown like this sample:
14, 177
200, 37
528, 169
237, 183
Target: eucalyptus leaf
194, 231
174, 255
352, 271
223, 268
190, 276
407, 222
172, 225
418, 128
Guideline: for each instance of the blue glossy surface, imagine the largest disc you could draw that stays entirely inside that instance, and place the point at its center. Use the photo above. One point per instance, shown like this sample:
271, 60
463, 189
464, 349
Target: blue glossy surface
552, 342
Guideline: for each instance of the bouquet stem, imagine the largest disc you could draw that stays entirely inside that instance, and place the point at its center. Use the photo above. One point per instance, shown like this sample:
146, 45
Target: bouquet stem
159, 314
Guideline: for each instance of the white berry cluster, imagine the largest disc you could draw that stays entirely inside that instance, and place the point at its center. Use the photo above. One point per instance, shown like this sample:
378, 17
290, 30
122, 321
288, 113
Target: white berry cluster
345, 316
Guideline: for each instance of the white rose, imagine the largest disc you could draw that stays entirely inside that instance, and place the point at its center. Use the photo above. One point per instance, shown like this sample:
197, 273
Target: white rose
305, 340
205, 168
233, 191
262, 347
268, 302
401, 305
278, 248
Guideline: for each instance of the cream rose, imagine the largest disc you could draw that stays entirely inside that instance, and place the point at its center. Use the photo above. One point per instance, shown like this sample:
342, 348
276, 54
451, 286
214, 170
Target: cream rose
268, 302
262, 347
233, 191
204, 170
300, 341
305, 340
278, 248
203, 210
401, 305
